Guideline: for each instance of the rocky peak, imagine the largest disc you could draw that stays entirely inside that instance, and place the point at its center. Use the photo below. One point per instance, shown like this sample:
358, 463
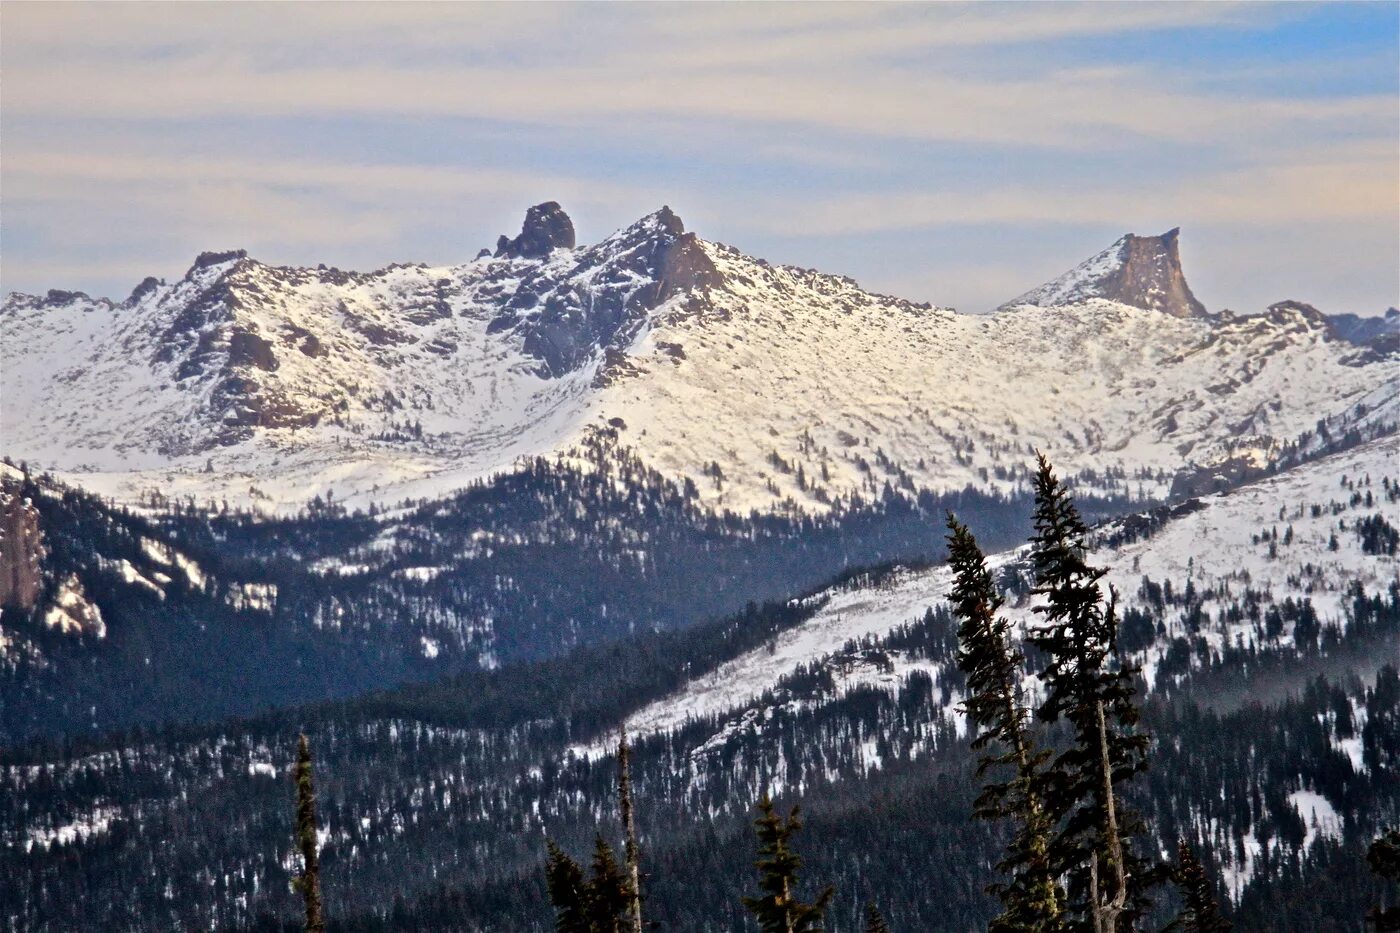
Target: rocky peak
609, 293
206, 260
147, 287
546, 229
1141, 271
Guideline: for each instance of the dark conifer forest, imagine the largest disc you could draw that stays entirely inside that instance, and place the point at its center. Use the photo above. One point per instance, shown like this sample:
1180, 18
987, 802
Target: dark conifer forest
473, 802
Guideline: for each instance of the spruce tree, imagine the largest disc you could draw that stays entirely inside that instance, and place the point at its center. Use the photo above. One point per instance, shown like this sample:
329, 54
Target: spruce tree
598, 904
1200, 912
874, 922
1032, 899
1087, 687
309, 884
778, 909
567, 891
609, 896
1384, 857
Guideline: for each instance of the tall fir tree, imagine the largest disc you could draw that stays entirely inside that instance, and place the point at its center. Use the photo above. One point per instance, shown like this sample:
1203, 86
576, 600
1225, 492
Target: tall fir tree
309, 883
874, 920
778, 909
567, 891
609, 895
1200, 911
1032, 899
1087, 687
1384, 858
599, 904
631, 851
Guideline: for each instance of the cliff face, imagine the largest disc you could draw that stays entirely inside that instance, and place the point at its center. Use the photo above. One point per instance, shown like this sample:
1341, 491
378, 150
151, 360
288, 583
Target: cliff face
1142, 271
21, 551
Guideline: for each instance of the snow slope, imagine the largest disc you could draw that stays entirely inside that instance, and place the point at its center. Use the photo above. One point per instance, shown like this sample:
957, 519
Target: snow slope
1213, 542
769, 387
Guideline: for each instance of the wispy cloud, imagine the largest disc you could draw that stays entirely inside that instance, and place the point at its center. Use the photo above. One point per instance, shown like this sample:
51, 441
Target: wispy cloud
362, 130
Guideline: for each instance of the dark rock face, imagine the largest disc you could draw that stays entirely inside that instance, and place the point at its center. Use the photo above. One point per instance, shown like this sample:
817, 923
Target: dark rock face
57, 296
205, 260
628, 276
246, 348
1381, 334
1150, 277
148, 285
546, 229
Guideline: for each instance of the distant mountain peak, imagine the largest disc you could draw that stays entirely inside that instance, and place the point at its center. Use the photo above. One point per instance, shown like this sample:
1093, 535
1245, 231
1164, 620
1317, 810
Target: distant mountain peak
546, 229
1141, 271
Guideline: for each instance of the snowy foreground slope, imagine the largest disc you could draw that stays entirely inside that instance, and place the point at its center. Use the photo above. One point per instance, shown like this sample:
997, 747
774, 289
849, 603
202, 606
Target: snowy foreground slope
1222, 545
766, 386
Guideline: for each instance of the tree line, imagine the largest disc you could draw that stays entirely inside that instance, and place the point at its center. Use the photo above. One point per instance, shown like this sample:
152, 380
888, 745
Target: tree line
1054, 763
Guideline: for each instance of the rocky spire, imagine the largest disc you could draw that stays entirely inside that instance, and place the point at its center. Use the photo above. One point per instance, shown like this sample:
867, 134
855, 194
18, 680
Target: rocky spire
22, 549
1142, 271
546, 229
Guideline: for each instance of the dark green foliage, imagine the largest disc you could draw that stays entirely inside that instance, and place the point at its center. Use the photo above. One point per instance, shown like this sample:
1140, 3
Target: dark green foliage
596, 905
309, 883
1088, 689
874, 921
1378, 536
1200, 912
779, 909
1032, 899
567, 891
1384, 859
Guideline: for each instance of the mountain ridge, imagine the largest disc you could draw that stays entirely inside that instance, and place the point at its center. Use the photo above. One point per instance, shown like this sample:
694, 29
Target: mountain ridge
271, 385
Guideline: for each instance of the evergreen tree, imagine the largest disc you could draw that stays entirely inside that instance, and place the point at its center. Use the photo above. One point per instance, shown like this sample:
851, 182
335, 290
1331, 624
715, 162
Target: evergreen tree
874, 922
1087, 688
778, 909
1032, 900
1200, 912
567, 890
1384, 856
309, 884
599, 904
609, 896
629, 829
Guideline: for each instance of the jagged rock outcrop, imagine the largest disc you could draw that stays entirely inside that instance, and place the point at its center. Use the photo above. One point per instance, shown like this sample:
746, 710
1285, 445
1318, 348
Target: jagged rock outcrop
628, 276
1141, 271
546, 229
22, 550
1380, 333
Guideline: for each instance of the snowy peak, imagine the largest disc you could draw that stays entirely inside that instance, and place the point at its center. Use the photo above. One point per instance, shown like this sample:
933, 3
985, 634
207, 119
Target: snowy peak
1141, 271
568, 309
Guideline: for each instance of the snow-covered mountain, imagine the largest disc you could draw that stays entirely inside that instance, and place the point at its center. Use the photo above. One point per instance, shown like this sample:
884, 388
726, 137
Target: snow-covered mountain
766, 386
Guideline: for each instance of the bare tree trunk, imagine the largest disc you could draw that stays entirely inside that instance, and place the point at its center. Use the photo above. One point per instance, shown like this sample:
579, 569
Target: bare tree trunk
1095, 908
310, 881
1112, 842
629, 827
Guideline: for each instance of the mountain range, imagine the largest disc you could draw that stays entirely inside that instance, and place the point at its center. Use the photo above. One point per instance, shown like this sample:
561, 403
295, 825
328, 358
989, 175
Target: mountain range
768, 387
462, 523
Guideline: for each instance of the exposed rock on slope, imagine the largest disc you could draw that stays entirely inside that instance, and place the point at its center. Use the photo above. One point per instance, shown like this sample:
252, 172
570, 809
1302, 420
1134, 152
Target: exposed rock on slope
1141, 271
767, 387
21, 550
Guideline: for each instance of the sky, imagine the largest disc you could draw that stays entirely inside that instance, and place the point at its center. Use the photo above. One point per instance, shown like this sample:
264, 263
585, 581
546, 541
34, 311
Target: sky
957, 154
